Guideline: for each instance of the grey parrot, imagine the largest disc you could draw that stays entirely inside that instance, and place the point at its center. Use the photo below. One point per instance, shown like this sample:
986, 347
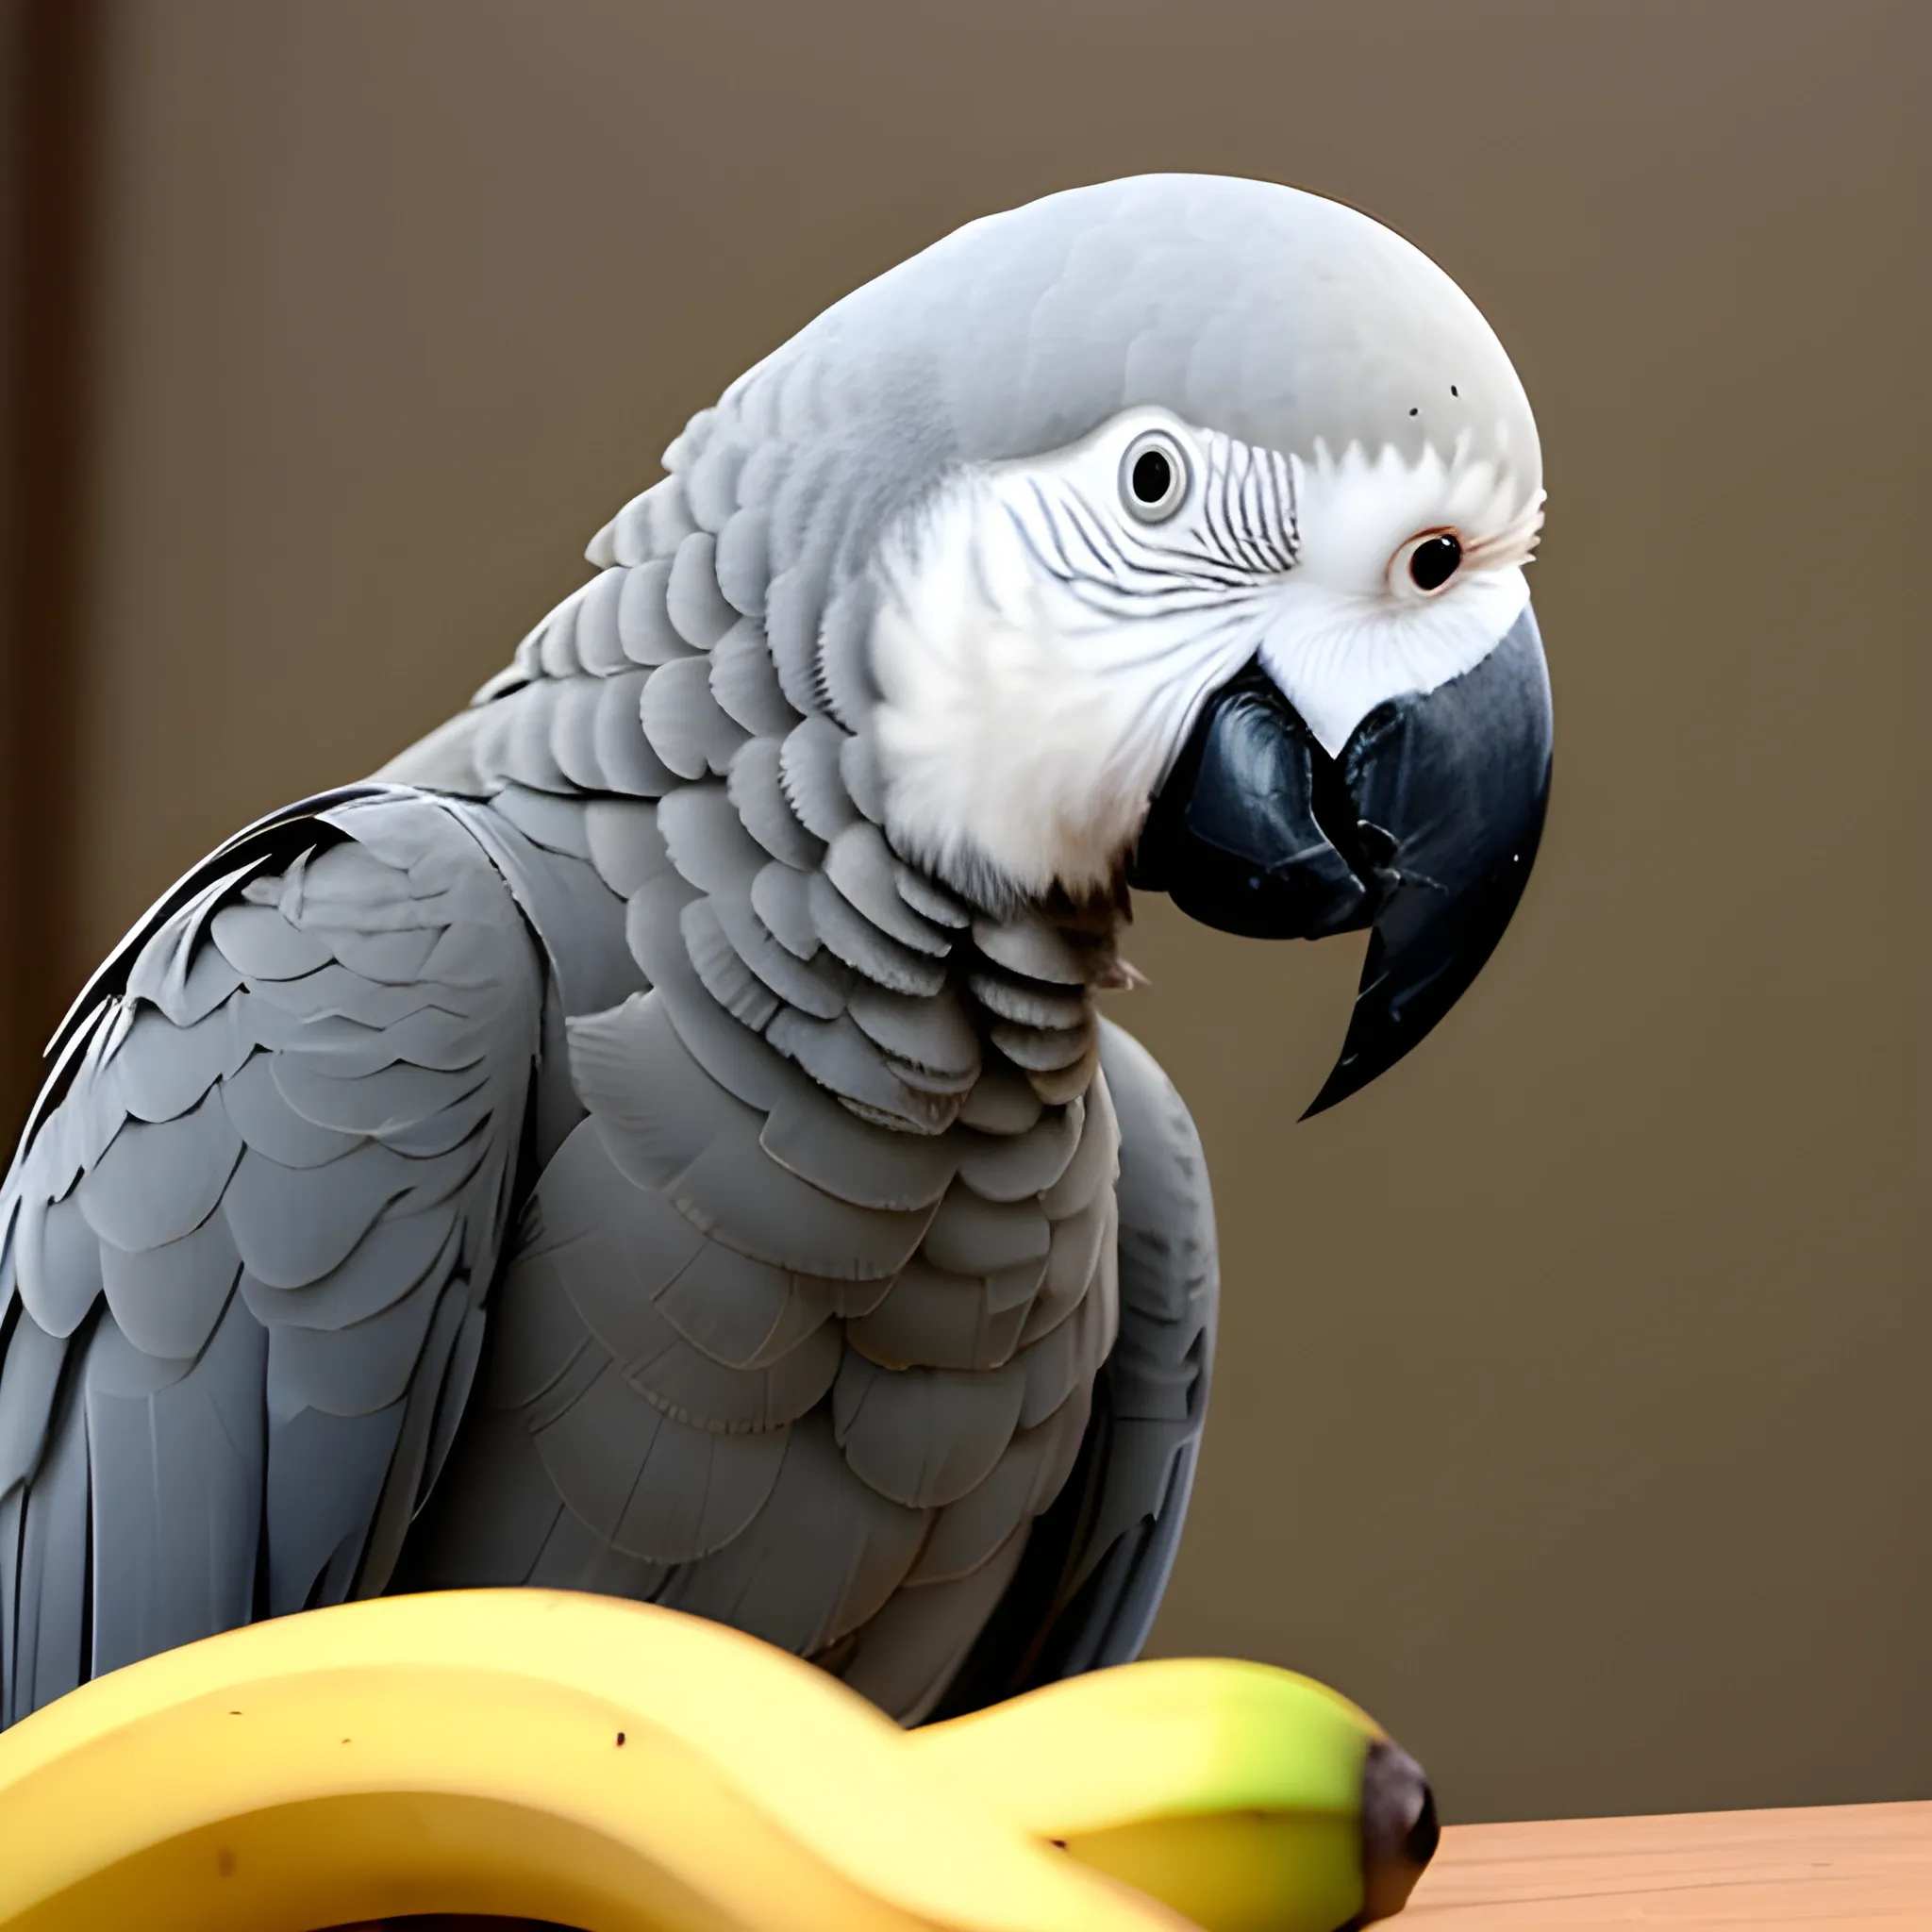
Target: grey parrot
656, 1136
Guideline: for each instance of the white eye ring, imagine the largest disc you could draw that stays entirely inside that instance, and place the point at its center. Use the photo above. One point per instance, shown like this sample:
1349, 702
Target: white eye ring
1154, 476
1428, 564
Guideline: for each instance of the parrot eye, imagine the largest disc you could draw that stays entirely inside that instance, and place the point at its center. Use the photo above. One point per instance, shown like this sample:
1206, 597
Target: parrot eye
1427, 562
1154, 476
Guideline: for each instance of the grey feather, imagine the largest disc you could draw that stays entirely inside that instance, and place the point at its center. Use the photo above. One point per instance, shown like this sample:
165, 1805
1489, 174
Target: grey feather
261, 944
1046, 1049
736, 1059
599, 633
1066, 1356
710, 482
694, 1389
1029, 1005
324, 1485
333, 992
156, 1183
174, 972
933, 1033
720, 966
924, 1437
928, 898
706, 839
1029, 945
354, 1371
45, 1652
974, 1236
643, 625
859, 770
56, 1261
757, 793
162, 1070
355, 1297
655, 1108
819, 990
818, 1560
814, 786
740, 1196
627, 848
574, 732
692, 600
1071, 1263
745, 685
624, 757
653, 1486
1001, 1102
176, 1476
1098, 1561
166, 1300
906, 1656
529, 745
556, 639
361, 1104
1058, 1086
845, 679
650, 525
614, 1261
859, 864
269, 1124
842, 1061
1095, 1160
779, 898
574, 1556
29, 1380
937, 1320
1015, 1286
395, 958
765, 465
743, 561
853, 938
809, 1134
438, 1393
969, 1533
794, 602
553, 895
1017, 1167
683, 723
739, 1312
487, 1522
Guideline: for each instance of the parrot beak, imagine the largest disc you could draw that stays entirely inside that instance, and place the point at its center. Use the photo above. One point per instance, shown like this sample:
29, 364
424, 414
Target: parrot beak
1423, 830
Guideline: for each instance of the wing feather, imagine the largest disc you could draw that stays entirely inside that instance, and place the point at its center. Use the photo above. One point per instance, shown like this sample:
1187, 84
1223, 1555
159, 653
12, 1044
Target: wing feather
253, 1225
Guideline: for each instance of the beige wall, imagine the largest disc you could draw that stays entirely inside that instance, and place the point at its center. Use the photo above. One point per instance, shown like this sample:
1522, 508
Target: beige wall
1571, 1408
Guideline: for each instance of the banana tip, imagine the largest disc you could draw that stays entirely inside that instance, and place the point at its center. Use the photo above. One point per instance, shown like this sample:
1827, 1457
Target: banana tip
1400, 1831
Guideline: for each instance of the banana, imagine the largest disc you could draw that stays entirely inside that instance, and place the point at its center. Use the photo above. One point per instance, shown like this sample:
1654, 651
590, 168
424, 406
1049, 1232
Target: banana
1248, 1798
532, 1754
620, 1767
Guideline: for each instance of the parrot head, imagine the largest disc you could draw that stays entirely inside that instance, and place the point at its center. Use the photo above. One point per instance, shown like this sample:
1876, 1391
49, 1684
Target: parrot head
1190, 516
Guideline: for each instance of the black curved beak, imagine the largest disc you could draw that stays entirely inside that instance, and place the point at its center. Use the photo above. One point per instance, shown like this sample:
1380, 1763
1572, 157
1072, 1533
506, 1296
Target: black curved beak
1423, 830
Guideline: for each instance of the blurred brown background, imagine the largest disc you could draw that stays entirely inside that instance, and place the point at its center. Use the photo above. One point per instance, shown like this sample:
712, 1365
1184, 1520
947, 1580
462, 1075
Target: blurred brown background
1572, 1409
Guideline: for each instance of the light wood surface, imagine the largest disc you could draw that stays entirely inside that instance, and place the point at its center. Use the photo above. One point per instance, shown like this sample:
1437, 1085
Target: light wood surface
1848, 1868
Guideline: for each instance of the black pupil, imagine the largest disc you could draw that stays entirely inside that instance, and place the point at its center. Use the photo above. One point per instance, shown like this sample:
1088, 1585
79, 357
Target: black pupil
1153, 476
1433, 562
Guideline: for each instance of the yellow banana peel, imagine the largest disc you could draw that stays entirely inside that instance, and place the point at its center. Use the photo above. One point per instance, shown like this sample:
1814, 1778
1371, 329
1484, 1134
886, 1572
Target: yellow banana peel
1249, 1798
620, 1767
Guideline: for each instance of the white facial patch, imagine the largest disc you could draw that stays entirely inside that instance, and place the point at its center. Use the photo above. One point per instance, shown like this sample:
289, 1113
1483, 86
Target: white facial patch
1351, 629
1044, 647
